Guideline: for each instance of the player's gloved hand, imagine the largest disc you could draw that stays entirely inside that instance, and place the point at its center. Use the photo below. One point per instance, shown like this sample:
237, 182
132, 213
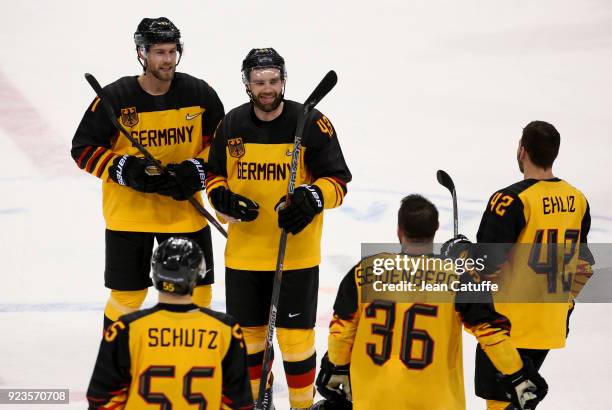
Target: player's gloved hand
137, 173
455, 247
305, 204
190, 178
233, 205
333, 382
525, 388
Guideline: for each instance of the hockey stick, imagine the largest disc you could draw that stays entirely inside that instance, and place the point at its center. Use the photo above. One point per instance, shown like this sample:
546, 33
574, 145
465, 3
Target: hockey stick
446, 181
325, 86
111, 116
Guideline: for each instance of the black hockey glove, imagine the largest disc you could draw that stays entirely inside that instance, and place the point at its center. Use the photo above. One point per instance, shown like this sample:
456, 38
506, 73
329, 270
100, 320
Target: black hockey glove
233, 205
138, 174
525, 388
305, 204
334, 382
455, 247
190, 178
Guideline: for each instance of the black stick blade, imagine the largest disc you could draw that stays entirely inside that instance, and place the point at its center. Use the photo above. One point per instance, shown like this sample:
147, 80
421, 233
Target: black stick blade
93, 82
325, 86
445, 180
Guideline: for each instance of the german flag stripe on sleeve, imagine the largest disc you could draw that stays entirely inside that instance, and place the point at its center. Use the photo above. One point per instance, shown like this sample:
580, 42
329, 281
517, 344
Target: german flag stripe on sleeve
84, 156
93, 160
214, 181
333, 191
341, 189
104, 163
338, 197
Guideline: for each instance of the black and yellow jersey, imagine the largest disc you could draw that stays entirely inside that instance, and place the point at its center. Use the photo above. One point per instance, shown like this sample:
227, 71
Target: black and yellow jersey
171, 356
173, 127
408, 355
253, 158
541, 224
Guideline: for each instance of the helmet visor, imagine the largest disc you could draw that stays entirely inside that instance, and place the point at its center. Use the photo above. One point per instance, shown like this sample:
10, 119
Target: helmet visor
263, 75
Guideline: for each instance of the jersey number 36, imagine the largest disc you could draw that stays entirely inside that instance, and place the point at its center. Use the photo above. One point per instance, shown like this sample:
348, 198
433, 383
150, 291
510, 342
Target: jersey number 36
409, 334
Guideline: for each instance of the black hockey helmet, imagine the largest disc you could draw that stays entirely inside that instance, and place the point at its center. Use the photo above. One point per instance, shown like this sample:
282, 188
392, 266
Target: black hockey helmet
157, 31
176, 264
262, 58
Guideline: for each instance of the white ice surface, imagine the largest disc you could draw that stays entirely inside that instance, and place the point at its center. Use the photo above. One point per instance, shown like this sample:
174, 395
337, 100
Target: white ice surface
422, 85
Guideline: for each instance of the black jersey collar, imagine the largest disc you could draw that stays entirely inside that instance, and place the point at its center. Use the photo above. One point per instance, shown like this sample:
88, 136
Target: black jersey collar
172, 307
278, 119
553, 179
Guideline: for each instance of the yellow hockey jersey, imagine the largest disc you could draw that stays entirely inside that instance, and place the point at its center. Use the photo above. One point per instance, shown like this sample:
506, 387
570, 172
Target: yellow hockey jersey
408, 355
253, 158
171, 356
541, 228
173, 127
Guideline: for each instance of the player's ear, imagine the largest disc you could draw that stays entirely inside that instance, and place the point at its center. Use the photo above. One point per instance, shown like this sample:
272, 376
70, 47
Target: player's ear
400, 234
523, 154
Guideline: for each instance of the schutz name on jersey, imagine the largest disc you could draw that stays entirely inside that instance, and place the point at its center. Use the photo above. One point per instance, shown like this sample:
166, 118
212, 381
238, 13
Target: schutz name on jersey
182, 337
556, 204
266, 171
164, 137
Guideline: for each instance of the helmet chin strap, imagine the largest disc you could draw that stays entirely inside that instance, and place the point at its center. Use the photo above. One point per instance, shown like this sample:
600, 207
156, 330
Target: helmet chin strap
139, 51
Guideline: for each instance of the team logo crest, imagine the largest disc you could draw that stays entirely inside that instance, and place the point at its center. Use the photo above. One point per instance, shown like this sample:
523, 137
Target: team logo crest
236, 147
129, 116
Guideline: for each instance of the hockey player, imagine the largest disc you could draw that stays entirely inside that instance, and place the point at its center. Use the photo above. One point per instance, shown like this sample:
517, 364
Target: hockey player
532, 232
249, 169
175, 354
403, 349
173, 115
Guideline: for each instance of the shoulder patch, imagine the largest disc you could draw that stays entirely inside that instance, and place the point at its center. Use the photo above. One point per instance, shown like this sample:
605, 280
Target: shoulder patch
113, 330
325, 126
500, 201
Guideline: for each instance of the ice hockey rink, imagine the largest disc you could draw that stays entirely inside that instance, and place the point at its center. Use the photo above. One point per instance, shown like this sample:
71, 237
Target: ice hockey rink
423, 85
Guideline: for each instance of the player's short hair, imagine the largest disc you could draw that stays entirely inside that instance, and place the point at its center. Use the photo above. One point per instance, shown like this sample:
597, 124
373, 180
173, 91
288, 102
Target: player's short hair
418, 218
541, 140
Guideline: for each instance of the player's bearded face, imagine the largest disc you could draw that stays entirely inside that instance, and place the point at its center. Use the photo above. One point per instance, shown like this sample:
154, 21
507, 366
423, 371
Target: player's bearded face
161, 61
266, 88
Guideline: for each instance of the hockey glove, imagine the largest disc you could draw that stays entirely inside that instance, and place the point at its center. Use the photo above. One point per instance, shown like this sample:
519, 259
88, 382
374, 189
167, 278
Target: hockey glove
190, 178
233, 205
305, 204
525, 388
333, 382
137, 173
455, 247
